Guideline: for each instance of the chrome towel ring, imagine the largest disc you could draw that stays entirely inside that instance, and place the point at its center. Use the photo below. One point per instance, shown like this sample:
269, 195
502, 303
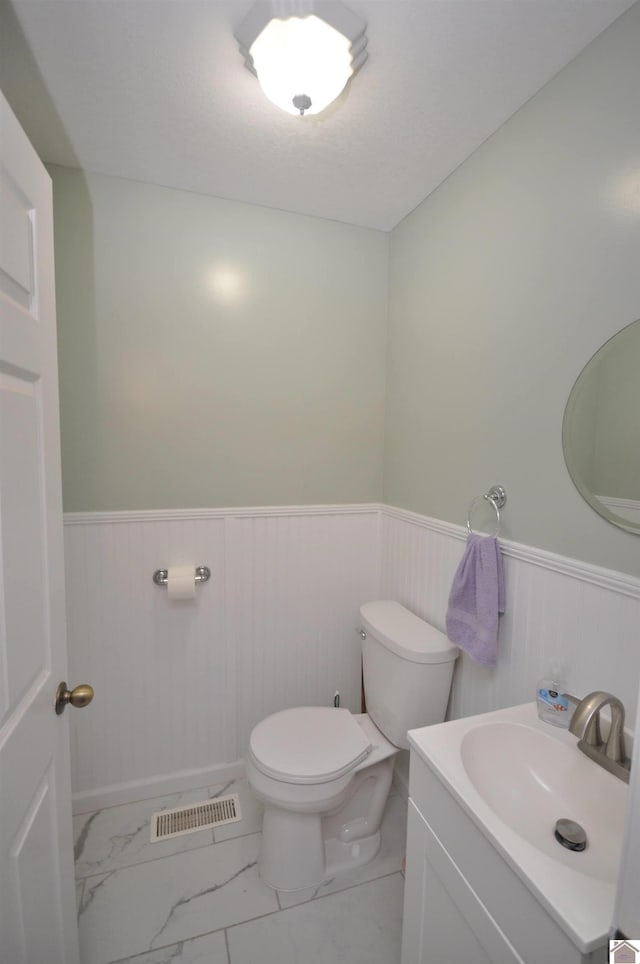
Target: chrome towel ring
496, 496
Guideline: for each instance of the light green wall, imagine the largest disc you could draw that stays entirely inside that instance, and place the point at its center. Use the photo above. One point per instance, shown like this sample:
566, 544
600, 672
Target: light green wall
503, 283
177, 392
214, 353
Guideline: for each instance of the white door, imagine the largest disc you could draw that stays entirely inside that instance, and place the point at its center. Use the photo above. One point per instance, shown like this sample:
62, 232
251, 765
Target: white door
37, 899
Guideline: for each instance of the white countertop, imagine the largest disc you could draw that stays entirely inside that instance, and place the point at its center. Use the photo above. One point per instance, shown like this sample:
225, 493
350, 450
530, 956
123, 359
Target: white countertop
581, 904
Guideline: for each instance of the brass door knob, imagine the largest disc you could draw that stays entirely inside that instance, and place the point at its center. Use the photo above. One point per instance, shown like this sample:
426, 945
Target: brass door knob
79, 696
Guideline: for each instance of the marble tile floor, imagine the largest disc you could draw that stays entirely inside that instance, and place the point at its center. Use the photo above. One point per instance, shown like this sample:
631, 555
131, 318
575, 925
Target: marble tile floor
198, 899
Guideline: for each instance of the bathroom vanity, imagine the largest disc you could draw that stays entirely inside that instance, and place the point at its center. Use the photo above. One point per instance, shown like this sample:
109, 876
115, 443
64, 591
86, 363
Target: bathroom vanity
486, 879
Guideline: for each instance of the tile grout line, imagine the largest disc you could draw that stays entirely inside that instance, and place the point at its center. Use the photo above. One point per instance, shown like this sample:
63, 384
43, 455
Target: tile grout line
149, 860
194, 937
341, 890
135, 863
162, 796
237, 836
250, 920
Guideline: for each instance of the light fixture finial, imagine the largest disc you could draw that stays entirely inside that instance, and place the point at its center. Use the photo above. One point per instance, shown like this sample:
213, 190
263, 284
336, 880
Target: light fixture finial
301, 102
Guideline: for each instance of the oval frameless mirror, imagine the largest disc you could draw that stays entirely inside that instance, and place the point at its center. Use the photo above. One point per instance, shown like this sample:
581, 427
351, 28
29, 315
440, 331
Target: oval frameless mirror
601, 430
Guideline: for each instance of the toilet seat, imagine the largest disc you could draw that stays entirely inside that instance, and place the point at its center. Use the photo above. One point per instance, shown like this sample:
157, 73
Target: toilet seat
308, 744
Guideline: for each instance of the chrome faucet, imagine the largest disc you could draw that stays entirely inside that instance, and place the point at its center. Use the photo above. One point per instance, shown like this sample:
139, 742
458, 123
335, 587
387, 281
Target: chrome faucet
585, 724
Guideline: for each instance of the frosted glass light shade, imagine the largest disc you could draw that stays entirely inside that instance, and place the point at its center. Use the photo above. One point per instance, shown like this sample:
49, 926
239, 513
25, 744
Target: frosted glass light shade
303, 52
302, 56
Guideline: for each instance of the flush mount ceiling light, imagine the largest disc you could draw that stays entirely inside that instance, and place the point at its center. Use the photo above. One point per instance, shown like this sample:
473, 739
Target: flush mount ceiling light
303, 52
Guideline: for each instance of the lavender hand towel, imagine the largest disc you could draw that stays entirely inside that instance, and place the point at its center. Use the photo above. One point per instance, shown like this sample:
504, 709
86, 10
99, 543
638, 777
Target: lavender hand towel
476, 598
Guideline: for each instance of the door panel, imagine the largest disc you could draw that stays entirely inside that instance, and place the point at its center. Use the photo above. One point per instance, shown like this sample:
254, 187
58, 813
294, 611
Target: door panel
16, 242
21, 537
31, 892
37, 900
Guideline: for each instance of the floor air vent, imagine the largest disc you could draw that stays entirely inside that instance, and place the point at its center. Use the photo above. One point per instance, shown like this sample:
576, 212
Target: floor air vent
197, 816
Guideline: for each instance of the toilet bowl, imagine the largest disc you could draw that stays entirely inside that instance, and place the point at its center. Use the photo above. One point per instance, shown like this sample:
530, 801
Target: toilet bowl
324, 774
327, 779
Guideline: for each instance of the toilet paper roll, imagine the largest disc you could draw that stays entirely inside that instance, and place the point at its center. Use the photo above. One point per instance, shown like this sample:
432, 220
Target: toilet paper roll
181, 582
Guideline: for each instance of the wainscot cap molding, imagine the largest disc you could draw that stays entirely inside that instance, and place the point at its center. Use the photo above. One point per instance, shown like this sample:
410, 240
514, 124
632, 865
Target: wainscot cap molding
182, 515
618, 582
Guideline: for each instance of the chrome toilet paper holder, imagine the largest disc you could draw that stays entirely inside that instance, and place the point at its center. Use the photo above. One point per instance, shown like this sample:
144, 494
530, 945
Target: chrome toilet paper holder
201, 574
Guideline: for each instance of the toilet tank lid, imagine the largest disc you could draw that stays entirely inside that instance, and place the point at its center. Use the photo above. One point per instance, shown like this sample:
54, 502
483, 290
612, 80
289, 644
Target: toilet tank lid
406, 634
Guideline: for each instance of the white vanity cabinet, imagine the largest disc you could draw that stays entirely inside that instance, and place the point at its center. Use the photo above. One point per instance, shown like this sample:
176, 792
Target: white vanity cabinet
444, 919
463, 901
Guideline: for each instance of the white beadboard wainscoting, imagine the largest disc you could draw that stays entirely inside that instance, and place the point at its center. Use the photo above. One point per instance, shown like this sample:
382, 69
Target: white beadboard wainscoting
557, 609
179, 685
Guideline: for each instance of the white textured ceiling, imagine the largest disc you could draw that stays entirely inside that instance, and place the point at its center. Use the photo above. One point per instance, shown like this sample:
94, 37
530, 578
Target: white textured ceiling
155, 90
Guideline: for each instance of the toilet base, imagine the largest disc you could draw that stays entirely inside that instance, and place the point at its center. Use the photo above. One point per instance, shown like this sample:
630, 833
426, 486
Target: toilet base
345, 856
311, 833
303, 850
292, 851
311, 873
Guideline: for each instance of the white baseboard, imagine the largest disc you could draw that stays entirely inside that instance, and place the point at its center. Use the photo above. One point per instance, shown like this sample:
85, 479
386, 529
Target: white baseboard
160, 786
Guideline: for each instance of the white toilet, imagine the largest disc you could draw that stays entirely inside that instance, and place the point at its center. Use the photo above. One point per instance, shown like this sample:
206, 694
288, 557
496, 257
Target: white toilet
324, 774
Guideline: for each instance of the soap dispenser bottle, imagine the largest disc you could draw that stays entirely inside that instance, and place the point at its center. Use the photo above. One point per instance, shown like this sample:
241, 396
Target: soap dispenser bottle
551, 699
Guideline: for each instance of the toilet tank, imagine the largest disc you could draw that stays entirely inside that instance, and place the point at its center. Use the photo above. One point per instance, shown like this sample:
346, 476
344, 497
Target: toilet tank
407, 669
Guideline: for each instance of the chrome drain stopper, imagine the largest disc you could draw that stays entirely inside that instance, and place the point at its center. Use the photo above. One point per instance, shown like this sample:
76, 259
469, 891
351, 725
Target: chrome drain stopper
570, 834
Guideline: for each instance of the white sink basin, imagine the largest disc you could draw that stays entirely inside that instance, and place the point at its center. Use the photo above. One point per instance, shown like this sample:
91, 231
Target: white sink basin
530, 780
515, 776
